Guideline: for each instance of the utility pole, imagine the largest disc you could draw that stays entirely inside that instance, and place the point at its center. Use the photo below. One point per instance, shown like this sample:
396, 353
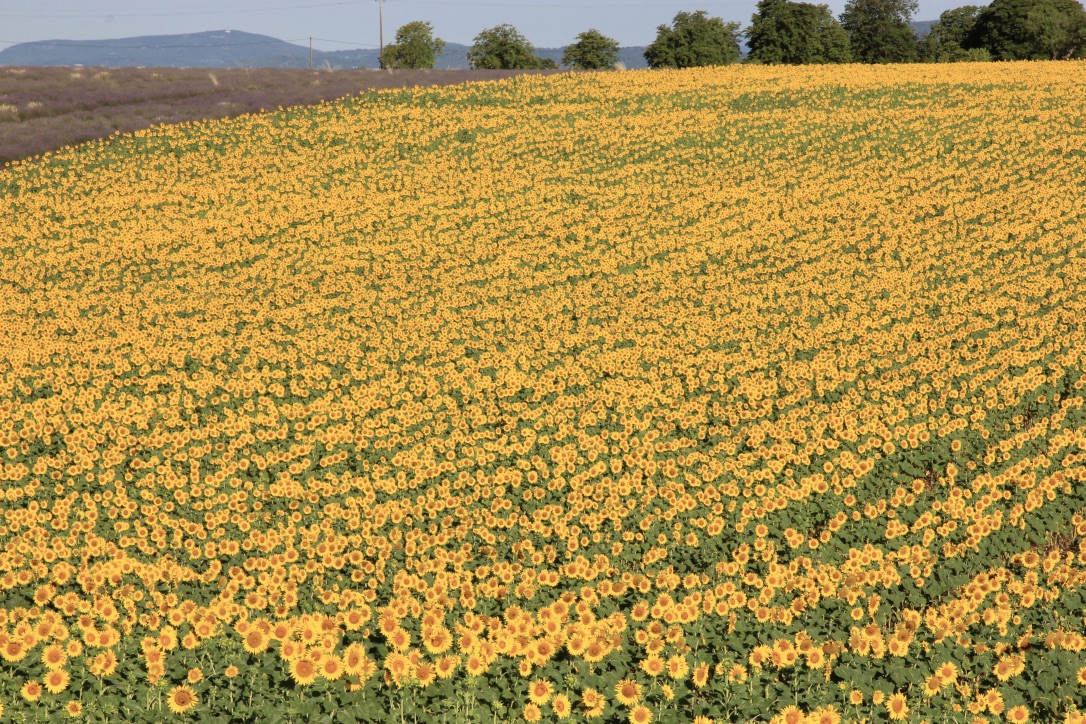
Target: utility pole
311, 52
381, 30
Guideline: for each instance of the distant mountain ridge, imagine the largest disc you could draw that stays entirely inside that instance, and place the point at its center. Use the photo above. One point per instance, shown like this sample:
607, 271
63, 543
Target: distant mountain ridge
238, 49
230, 49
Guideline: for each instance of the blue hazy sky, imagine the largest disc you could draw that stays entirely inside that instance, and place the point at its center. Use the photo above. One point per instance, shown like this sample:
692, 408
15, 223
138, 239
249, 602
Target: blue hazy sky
353, 23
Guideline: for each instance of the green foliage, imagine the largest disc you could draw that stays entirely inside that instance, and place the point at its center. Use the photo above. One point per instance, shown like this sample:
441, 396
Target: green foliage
694, 40
504, 48
796, 33
592, 51
1031, 30
954, 25
879, 31
415, 47
945, 42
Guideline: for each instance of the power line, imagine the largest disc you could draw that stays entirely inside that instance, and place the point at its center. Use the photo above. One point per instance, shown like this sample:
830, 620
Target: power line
346, 42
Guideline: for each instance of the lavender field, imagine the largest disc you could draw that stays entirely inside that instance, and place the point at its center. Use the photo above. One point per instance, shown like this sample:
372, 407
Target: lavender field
46, 108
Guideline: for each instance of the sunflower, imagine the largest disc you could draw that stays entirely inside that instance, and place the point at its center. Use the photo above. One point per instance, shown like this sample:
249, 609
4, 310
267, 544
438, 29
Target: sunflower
255, 641
291, 650
354, 657
446, 666
331, 667
397, 665
640, 715
677, 667
106, 662
897, 707
12, 651
561, 705
400, 639
628, 692
791, 715
825, 715
652, 665
1018, 715
539, 692
354, 619
476, 665
57, 681
532, 712
74, 709
898, 648
181, 699
437, 640
54, 657
948, 672
595, 652
303, 671
167, 639
593, 702
758, 655
425, 674
31, 691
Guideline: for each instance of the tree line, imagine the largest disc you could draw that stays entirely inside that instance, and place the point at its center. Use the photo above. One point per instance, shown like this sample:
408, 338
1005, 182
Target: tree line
794, 33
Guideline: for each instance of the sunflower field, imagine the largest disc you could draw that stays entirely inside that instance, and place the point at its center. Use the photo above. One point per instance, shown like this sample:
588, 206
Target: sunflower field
751, 393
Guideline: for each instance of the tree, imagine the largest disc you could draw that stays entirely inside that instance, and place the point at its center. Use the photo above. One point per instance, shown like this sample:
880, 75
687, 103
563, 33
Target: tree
796, 33
592, 51
945, 42
880, 31
693, 40
504, 48
1031, 30
415, 47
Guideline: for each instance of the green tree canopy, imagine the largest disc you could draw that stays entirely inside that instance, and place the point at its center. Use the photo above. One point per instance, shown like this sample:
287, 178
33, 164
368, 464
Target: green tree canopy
694, 39
796, 33
415, 47
945, 41
504, 48
592, 51
1031, 30
880, 31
